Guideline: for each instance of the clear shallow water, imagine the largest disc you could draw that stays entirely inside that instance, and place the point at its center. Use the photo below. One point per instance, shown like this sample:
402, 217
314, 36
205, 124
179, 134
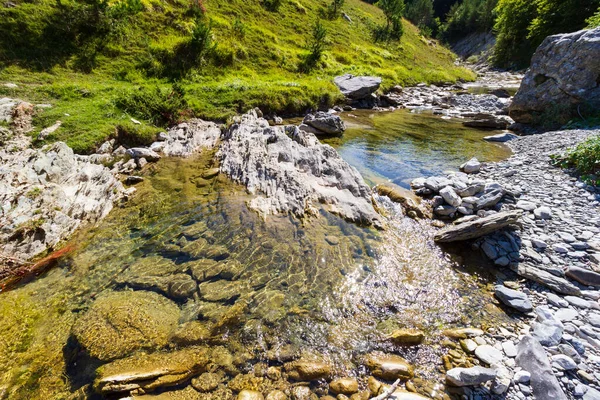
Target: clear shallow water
401, 145
315, 287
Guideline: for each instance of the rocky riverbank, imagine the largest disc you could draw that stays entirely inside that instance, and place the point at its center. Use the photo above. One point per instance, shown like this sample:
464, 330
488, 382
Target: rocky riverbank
556, 250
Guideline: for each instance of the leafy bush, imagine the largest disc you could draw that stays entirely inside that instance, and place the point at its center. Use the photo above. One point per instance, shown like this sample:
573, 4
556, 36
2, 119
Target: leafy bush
594, 20
585, 158
161, 107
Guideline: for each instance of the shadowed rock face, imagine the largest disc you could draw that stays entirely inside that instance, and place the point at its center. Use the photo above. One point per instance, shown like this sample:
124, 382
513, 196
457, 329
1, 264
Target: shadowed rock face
564, 74
293, 173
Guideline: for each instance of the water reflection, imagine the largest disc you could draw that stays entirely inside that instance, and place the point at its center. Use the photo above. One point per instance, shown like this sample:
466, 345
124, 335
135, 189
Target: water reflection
400, 145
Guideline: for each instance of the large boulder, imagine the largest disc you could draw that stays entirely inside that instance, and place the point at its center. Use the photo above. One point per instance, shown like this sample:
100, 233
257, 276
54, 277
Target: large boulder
324, 123
564, 74
357, 87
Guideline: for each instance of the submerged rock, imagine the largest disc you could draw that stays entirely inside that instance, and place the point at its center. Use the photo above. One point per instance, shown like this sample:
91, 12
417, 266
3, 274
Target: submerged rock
119, 323
388, 366
292, 174
308, 370
407, 337
149, 372
345, 386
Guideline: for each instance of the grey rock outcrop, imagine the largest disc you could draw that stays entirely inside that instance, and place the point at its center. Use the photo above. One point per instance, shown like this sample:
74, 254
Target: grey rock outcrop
293, 173
357, 87
46, 194
188, 138
563, 74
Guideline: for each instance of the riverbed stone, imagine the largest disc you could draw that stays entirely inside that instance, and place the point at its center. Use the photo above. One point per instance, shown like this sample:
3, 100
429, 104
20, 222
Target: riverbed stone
450, 196
564, 362
150, 372
513, 298
347, 386
407, 337
325, 123
469, 376
357, 87
532, 358
388, 366
583, 276
543, 213
119, 323
250, 395
308, 370
489, 354
472, 166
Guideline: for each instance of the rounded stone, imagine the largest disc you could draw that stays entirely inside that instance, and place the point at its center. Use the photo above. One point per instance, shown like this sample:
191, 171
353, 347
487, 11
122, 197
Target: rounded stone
344, 386
250, 395
119, 323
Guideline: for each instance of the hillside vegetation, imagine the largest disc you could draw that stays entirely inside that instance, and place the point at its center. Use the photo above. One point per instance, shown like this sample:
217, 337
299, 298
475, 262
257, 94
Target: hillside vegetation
101, 63
520, 26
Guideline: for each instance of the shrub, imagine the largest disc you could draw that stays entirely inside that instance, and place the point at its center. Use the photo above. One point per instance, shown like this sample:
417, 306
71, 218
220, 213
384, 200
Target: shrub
585, 158
335, 8
239, 29
594, 20
161, 107
393, 10
271, 5
316, 46
201, 42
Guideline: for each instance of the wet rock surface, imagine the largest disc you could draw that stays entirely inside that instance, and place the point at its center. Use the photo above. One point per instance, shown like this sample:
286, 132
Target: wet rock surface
293, 174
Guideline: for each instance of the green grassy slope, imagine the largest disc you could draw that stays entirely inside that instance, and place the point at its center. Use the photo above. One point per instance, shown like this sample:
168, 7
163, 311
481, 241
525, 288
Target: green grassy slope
254, 61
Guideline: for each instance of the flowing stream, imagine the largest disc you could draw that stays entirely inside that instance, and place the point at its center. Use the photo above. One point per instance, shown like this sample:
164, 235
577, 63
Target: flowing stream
320, 286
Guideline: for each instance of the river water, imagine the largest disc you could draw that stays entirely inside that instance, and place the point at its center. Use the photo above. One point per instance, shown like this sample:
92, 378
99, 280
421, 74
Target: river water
319, 287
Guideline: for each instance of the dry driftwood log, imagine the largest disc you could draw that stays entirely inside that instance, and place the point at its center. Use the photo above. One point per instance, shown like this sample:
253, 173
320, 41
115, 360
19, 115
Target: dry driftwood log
479, 227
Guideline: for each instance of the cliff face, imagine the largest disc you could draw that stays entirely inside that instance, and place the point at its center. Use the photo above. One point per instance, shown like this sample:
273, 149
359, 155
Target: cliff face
563, 80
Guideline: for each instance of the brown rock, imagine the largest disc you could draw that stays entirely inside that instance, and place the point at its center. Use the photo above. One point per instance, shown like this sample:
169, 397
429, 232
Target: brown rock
250, 395
388, 366
346, 386
306, 370
407, 337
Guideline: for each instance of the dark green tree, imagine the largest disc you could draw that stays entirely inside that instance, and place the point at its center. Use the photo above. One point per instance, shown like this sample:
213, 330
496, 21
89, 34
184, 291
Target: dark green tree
316, 46
393, 10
